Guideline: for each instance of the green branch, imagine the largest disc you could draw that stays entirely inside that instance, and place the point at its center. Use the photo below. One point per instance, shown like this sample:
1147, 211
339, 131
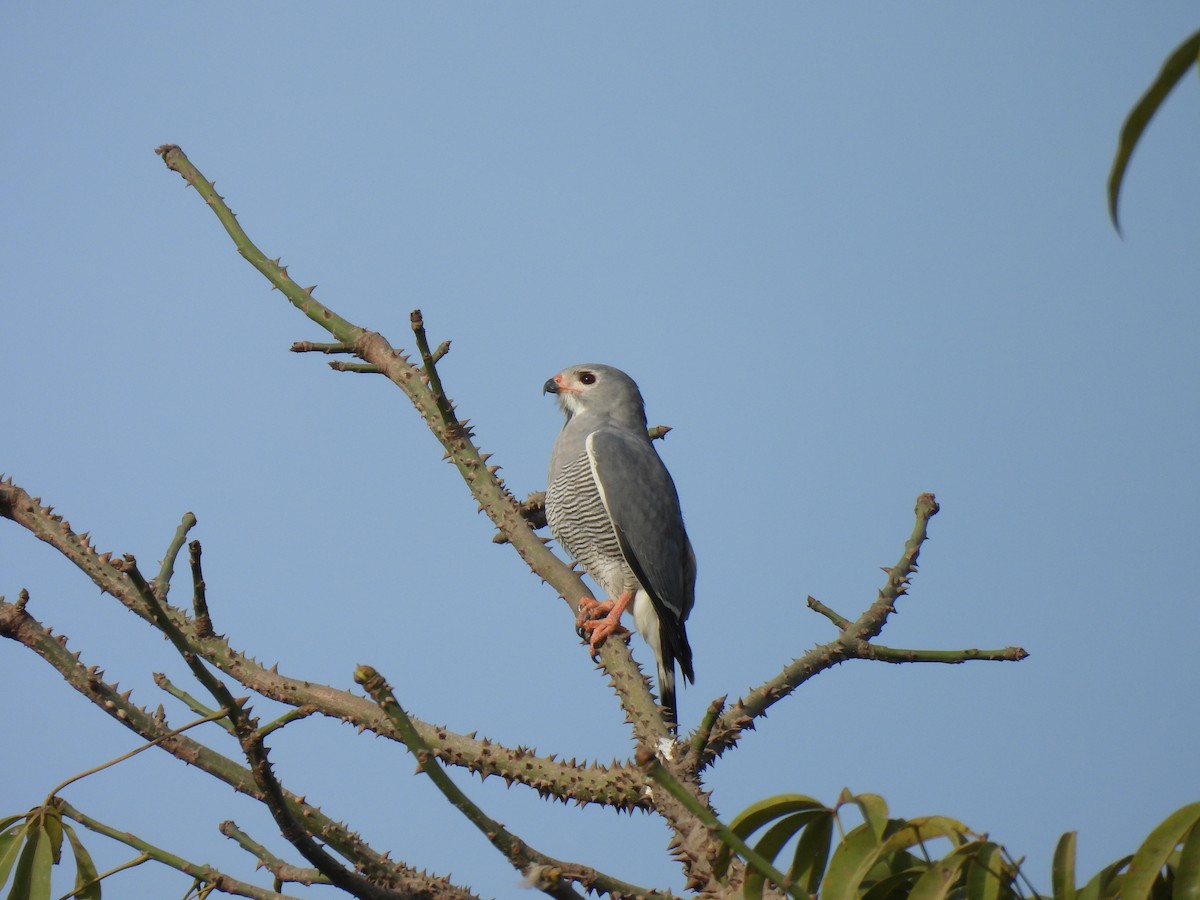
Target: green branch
487, 489
553, 877
854, 642
301, 298
659, 773
18, 625
204, 873
253, 747
617, 786
162, 584
283, 871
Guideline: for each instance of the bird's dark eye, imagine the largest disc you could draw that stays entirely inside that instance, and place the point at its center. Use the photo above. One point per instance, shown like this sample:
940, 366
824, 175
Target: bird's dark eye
587, 378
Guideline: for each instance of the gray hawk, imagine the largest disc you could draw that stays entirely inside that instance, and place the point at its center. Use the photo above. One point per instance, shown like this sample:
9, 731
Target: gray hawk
611, 504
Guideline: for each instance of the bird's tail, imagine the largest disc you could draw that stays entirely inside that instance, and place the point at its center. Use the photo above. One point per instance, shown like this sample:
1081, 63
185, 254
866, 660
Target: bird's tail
669, 643
666, 688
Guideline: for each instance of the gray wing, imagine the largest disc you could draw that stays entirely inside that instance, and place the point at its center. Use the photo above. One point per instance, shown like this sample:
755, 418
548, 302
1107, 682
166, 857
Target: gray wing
641, 500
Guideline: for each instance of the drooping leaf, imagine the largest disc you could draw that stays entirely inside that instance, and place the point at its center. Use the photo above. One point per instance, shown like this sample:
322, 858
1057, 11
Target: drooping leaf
987, 874
757, 815
1062, 872
771, 843
896, 886
10, 849
926, 828
31, 879
873, 808
940, 878
1105, 883
49, 820
1143, 111
1149, 859
852, 860
812, 853
85, 869
1187, 872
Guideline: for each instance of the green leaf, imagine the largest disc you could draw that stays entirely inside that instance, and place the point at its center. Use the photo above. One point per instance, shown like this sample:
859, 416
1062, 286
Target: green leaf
851, 861
10, 849
771, 843
873, 808
1152, 855
1187, 872
812, 853
31, 881
940, 878
50, 822
781, 832
926, 828
5, 824
755, 816
1062, 872
987, 876
1143, 111
1105, 883
85, 869
896, 886
875, 812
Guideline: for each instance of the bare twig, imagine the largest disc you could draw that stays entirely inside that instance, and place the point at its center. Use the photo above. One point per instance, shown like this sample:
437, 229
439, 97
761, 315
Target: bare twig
162, 584
837, 619
852, 643
18, 625
251, 740
206, 874
204, 625
283, 871
314, 347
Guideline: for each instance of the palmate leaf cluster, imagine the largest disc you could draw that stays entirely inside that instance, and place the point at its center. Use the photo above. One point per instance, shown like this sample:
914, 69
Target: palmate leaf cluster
31, 845
793, 849
883, 858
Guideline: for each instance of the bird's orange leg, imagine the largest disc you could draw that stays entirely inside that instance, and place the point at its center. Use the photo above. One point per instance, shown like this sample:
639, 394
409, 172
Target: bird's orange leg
610, 624
589, 609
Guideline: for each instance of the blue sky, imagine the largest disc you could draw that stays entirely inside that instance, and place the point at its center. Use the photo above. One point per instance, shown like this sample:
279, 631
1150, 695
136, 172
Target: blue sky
850, 254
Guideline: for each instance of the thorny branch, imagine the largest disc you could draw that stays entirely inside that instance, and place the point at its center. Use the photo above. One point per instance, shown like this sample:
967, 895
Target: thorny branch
854, 642
685, 806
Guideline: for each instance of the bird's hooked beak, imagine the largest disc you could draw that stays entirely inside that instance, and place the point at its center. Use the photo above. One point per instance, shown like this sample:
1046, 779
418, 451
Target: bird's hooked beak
558, 385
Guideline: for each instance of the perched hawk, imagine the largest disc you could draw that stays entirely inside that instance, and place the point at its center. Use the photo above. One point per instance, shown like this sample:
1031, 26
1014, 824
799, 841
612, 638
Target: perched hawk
612, 505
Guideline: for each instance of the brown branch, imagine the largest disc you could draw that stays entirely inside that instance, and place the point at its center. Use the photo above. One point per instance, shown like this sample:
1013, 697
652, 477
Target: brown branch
488, 489
551, 876
283, 871
17, 624
854, 642
204, 626
620, 786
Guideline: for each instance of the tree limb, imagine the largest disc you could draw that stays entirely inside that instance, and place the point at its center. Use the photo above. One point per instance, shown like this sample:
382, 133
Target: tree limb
551, 876
853, 643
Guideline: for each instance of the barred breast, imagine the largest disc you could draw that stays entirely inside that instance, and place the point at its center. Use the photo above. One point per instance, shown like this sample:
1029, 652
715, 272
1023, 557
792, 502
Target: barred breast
579, 522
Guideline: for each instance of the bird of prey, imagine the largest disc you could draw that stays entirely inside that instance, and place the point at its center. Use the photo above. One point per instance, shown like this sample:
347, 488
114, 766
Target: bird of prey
612, 506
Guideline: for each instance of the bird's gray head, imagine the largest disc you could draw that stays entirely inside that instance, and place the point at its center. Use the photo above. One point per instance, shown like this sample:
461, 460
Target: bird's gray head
593, 389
